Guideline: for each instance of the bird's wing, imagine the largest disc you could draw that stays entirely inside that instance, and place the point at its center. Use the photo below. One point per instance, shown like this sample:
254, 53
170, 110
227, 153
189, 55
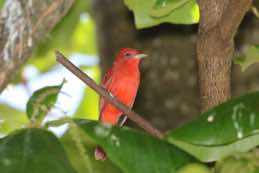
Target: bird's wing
106, 77
122, 120
106, 83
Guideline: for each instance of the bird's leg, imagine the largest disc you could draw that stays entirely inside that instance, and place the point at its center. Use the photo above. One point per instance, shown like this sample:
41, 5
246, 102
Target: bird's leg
111, 94
122, 120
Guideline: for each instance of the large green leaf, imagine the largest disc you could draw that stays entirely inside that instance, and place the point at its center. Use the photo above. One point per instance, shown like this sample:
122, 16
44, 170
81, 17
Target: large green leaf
230, 127
33, 151
74, 151
11, 119
187, 13
134, 151
250, 57
41, 102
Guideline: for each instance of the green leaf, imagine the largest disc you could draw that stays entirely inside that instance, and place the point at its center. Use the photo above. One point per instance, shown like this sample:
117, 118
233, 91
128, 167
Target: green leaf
227, 128
187, 13
2, 2
194, 168
89, 106
84, 37
33, 151
11, 119
134, 151
78, 163
239, 163
250, 57
41, 102
165, 7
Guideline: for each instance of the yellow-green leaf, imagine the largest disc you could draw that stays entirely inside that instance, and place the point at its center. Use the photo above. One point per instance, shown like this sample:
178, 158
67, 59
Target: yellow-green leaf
250, 57
187, 13
165, 7
11, 119
41, 102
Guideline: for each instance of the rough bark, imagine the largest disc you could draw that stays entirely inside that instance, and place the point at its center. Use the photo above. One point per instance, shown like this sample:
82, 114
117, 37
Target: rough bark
219, 22
22, 24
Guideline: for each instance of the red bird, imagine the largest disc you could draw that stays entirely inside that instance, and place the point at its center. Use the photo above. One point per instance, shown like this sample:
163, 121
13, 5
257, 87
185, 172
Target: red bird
122, 81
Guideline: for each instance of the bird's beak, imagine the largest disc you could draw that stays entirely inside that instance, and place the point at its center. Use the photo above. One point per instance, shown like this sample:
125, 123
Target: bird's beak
141, 55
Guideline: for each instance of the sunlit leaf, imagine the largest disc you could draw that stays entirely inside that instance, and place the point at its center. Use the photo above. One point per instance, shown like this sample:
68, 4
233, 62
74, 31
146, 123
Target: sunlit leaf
187, 13
165, 7
250, 57
239, 163
83, 40
134, 151
33, 151
11, 119
41, 102
2, 3
194, 168
228, 128
89, 106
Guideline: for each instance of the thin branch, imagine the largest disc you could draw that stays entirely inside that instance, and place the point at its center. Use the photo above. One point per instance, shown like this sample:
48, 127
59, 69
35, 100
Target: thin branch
105, 94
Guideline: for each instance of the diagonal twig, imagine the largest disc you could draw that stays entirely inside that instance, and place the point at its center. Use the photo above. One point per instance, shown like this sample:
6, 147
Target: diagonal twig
141, 122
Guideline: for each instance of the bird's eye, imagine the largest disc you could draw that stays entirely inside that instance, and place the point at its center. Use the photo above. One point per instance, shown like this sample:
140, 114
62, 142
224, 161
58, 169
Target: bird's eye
127, 54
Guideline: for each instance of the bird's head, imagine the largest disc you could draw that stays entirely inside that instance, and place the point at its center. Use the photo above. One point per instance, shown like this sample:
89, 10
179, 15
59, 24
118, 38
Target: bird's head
129, 54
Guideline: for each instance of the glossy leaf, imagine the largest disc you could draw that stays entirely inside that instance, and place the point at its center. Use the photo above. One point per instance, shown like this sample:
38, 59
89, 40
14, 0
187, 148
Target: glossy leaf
187, 14
11, 119
41, 102
230, 127
134, 151
33, 151
250, 57
165, 7
78, 163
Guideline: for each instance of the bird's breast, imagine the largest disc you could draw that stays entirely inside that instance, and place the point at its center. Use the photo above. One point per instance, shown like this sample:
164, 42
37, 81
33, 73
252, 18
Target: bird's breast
126, 86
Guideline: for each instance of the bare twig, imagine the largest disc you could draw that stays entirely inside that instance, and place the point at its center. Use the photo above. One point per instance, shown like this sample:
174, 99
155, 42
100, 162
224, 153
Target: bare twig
105, 94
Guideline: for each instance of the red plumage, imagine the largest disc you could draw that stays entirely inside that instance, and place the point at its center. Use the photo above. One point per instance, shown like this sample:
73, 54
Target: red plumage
122, 81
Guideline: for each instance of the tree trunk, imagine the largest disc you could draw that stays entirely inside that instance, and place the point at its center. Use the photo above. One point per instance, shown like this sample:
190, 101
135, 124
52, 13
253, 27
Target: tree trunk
22, 24
219, 22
